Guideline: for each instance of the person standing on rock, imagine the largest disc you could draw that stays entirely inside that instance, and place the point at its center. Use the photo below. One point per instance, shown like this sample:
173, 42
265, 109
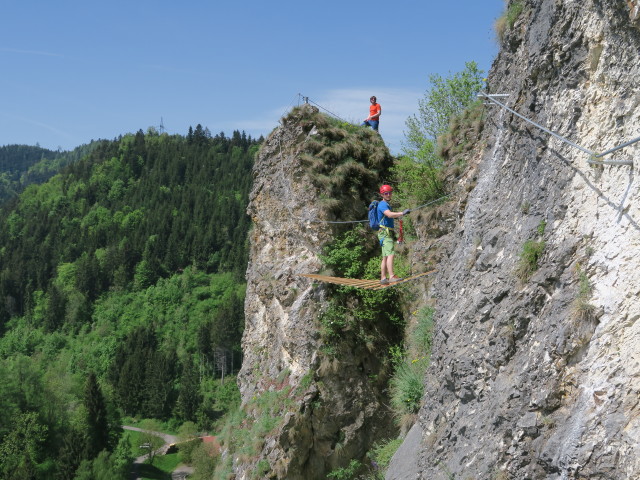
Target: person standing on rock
375, 110
387, 235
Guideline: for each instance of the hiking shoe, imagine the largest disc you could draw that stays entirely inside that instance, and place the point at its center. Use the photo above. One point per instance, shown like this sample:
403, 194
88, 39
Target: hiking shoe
395, 279
384, 281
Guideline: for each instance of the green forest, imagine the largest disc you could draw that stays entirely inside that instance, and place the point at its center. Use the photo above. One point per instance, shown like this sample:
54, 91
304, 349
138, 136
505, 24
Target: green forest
121, 294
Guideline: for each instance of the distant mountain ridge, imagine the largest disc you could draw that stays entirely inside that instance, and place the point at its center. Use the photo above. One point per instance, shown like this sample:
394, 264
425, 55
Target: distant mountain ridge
22, 165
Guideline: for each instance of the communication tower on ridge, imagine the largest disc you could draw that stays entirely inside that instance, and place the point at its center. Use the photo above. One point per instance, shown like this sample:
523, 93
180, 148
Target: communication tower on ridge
161, 127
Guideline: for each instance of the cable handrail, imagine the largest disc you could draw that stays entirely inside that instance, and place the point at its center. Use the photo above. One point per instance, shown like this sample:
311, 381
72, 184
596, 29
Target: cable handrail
592, 155
307, 100
615, 149
366, 220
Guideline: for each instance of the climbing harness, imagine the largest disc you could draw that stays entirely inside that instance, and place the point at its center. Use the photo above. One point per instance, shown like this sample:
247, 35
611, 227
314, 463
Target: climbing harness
387, 232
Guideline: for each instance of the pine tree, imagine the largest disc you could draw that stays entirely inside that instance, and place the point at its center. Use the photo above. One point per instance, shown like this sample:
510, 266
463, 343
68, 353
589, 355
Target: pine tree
56, 307
190, 398
97, 418
70, 456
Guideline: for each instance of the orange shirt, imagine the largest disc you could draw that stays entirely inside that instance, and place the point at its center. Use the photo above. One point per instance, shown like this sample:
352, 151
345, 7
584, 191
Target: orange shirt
375, 109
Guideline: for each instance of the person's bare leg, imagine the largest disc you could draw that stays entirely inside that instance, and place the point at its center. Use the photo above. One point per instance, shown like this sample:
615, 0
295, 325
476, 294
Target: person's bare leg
389, 261
383, 268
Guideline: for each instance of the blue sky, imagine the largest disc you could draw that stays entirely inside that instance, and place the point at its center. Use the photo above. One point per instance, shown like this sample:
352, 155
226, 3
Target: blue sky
73, 71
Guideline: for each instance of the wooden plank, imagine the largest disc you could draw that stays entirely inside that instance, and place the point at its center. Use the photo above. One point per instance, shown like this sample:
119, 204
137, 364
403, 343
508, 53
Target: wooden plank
361, 283
353, 282
404, 280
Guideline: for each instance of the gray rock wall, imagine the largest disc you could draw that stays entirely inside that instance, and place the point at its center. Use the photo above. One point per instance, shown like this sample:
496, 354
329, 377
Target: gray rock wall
526, 382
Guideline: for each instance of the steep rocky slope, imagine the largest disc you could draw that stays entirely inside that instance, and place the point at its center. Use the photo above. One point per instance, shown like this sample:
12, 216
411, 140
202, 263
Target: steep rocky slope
537, 376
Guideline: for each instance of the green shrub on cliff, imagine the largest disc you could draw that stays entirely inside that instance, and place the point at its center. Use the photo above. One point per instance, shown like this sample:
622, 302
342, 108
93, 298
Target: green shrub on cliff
528, 263
581, 308
530, 255
506, 21
410, 364
365, 314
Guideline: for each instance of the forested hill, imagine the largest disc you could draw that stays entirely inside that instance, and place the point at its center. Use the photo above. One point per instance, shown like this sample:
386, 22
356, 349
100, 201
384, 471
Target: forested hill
22, 165
130, 212
121, 295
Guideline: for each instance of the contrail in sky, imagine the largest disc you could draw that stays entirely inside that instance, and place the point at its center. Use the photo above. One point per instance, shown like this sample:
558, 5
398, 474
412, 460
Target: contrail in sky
29, 52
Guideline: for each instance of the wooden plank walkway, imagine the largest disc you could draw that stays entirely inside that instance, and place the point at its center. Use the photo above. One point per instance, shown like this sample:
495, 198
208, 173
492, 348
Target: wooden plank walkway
366, 284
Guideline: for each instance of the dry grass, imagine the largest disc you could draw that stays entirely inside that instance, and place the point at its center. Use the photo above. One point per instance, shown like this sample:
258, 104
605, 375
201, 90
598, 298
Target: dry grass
581, 308
464, 131
344, 162
335, 134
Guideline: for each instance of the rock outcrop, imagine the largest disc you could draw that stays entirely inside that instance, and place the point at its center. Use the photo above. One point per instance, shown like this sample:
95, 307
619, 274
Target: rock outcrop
535, 375
322, 409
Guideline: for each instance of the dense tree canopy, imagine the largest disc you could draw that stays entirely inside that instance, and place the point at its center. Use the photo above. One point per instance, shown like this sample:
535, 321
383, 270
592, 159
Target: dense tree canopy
121, 277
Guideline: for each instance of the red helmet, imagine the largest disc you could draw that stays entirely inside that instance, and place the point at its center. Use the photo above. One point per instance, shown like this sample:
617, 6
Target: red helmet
386, 189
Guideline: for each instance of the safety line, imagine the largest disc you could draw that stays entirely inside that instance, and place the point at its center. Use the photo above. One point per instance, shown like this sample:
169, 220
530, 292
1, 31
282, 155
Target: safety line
592, 161
366, 220
615, 149
559, 137
307, 100
591, 154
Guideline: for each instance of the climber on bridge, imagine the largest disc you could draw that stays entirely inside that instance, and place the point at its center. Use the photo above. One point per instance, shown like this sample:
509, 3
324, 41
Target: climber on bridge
387, 235
375, 110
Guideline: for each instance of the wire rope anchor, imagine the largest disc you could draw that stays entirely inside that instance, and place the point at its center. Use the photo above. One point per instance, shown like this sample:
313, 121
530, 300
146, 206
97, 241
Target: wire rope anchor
595, 160
493, 95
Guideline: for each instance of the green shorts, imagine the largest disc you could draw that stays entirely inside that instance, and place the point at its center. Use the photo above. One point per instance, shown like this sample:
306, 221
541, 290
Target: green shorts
387, 241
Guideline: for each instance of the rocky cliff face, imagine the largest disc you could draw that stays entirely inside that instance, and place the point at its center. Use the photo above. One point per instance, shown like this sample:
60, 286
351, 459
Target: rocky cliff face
320, 410
537, 376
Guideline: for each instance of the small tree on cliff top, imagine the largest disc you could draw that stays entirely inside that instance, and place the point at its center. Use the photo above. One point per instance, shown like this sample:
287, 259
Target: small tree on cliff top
446, 98
418, 169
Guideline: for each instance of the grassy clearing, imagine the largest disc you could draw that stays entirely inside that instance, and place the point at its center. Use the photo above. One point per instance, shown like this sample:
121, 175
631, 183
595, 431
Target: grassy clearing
161, 467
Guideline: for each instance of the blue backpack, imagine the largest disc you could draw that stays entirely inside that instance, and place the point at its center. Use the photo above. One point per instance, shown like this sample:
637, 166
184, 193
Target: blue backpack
374, 220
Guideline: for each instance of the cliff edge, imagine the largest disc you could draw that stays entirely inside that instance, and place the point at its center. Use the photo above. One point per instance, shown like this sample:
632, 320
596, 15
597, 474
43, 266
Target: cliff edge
535, 366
